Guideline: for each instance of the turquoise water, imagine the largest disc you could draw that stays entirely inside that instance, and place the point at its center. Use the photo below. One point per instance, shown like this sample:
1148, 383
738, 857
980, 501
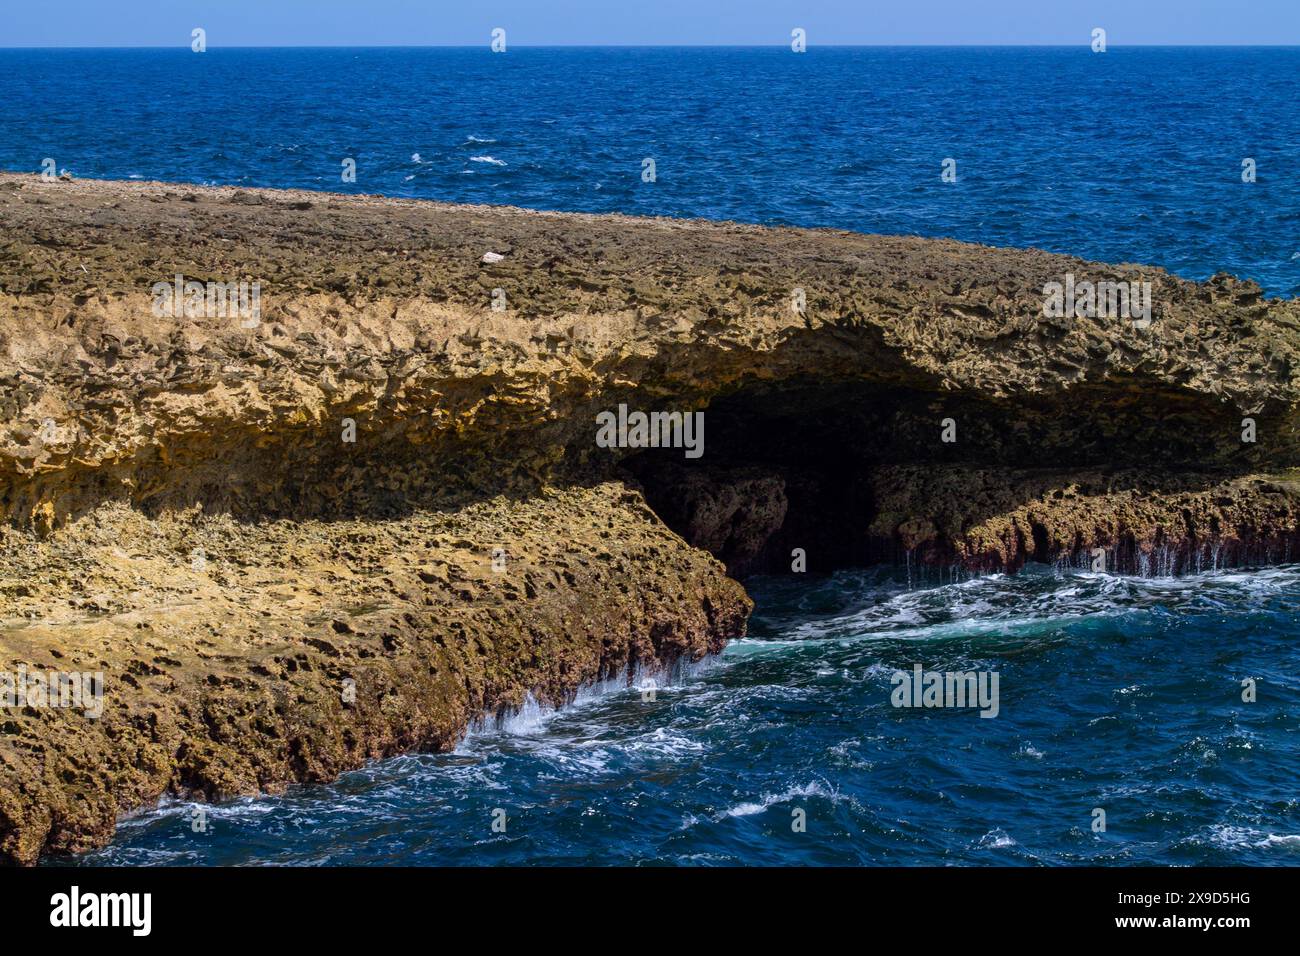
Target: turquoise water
1115, 693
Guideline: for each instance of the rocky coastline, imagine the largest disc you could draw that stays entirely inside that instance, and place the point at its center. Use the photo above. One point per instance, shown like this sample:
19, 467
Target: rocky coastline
375, 512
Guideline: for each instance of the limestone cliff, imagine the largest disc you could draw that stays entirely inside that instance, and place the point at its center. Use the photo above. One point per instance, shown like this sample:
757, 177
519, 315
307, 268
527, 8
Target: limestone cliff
376, 512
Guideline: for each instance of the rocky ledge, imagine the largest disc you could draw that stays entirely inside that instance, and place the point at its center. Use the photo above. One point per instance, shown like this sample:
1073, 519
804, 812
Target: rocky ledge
373, 509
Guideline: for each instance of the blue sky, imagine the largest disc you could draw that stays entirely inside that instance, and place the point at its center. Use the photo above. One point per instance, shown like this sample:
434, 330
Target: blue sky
545, 22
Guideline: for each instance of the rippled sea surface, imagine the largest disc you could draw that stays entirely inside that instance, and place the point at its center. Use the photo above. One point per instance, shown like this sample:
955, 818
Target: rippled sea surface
1133, 155
1116, 693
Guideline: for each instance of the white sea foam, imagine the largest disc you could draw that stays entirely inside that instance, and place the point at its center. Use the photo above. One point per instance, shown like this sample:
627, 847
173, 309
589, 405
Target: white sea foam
534, 716
1231, 836
997, 839
1241, 838
487, 159
750, 807
1288, 841
881, 607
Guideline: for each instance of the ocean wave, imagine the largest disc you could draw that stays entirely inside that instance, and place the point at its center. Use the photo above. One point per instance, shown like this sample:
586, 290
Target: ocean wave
1234, 837
534, 716
997, 839
749, 808
1287, 841
881, 604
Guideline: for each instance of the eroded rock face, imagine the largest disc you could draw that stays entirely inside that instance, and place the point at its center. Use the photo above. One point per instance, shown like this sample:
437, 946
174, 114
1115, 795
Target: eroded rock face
733, 514
380, 311
240, 657
181, 505
997, 519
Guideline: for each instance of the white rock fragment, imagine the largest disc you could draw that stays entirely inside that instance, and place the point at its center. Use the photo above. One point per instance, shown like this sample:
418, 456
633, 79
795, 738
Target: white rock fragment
491, 257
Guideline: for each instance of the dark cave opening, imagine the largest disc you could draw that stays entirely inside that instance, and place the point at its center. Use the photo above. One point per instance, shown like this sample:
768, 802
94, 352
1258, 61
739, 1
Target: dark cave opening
816, 475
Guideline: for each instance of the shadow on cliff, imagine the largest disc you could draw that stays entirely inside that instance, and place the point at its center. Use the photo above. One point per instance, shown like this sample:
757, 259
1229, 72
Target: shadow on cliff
830, 443
820, 475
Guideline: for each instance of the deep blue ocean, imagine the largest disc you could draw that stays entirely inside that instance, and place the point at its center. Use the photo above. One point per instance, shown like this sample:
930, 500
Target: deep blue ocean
1133, 155
1121, 694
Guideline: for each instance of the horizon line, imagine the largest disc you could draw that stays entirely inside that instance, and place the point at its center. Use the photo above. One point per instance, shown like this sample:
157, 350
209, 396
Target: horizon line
1083, 44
